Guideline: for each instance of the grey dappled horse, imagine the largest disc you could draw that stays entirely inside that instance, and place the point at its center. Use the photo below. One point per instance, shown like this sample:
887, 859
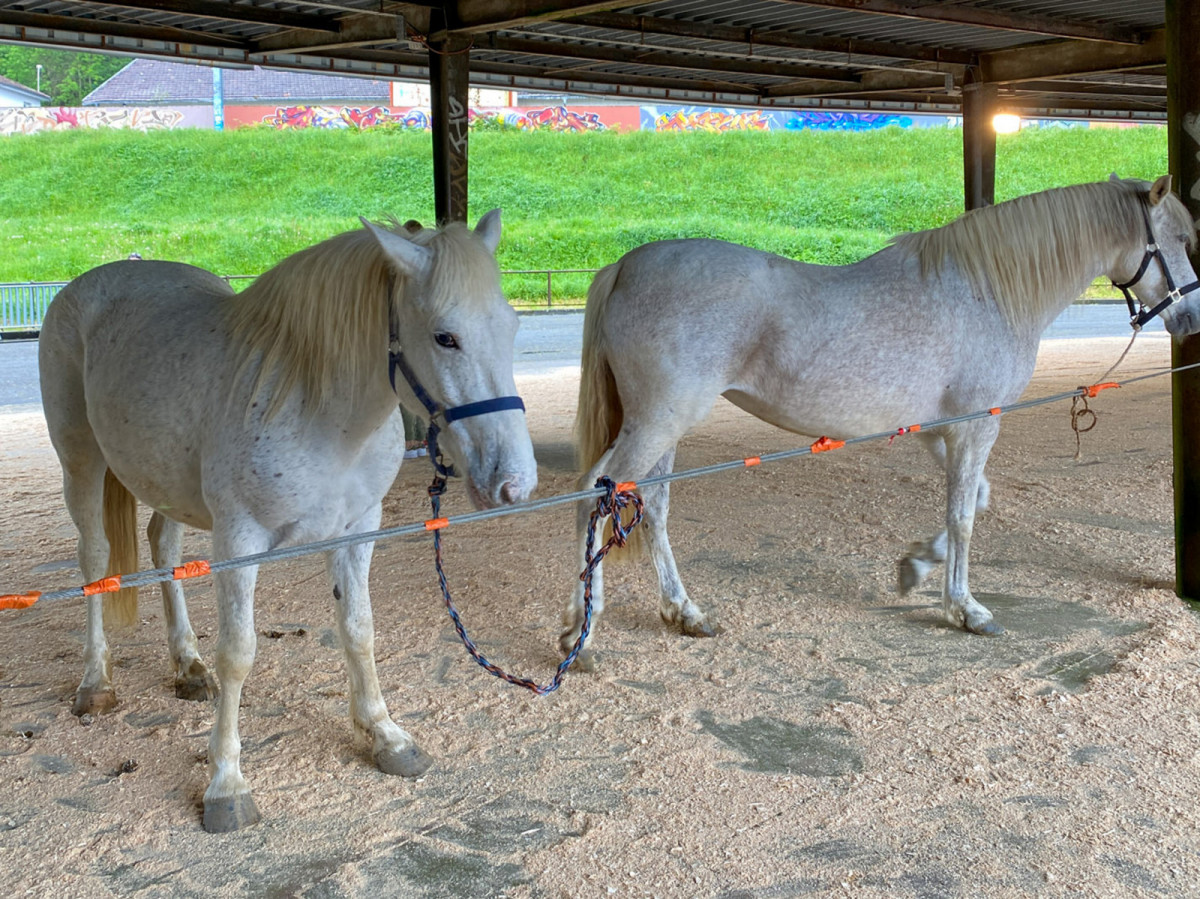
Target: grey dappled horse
267, 417
938, 324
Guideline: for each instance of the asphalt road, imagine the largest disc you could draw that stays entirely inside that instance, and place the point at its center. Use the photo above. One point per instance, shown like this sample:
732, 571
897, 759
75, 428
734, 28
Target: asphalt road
546, 341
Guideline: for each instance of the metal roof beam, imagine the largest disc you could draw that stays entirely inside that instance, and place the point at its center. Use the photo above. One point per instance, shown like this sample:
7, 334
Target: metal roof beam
351, 31
952, 13
1070, 58
227, 12
115, 29
767, 38
473, 16
874, 82
663, 59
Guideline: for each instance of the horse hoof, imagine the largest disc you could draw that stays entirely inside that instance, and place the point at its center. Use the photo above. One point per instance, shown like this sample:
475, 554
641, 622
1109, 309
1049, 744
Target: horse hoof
411, 761
197, 685
912, 573
93, 702
986, 627
229, 813
701, 628
585, 661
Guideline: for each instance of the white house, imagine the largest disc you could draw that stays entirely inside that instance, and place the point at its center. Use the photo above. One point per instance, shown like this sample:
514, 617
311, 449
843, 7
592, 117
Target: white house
14, 94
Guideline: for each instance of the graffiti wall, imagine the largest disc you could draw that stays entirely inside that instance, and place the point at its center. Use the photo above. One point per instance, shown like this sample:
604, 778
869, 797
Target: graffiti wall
32, 119
706, 118
550, 118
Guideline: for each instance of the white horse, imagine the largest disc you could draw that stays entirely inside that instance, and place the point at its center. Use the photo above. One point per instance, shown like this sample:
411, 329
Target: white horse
267, 417
940, 323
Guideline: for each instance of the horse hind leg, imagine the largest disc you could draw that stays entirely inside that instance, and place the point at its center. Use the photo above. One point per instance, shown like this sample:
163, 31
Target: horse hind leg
574, 612
676, 607
193, 680
631, 458
83, 490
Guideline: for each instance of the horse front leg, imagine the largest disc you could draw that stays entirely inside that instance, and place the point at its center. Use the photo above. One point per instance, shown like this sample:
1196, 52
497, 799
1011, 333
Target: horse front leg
392, 749
227, 801
923, 555
675, 606
193, 681
967, 452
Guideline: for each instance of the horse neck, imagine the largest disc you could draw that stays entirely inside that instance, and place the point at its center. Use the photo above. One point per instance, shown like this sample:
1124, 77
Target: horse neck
1032, 256
316, 326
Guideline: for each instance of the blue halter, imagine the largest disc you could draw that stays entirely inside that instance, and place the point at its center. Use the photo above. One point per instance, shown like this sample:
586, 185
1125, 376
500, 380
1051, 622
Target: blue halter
436, 411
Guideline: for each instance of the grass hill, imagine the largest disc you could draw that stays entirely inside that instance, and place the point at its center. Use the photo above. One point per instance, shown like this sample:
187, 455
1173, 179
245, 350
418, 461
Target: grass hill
236, 202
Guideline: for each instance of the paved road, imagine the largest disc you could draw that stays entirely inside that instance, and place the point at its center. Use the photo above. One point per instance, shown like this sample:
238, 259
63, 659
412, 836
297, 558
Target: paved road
545, 342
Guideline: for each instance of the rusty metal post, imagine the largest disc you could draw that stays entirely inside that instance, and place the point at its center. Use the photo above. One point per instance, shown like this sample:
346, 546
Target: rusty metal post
979, 145
449, 71
1183, 143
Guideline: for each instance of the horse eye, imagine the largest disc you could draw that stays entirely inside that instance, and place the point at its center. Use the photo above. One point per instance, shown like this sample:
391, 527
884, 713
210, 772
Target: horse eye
446, 340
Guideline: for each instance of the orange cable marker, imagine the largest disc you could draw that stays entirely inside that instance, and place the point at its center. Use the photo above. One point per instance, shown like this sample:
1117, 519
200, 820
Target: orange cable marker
1096, 388
753, 460
912, 429
104, 585
824, 445
197, 568
436, 524
995, 411
627, 487
18, 600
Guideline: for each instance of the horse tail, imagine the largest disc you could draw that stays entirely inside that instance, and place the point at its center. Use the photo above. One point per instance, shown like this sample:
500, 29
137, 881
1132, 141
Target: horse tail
120, 527
599, 413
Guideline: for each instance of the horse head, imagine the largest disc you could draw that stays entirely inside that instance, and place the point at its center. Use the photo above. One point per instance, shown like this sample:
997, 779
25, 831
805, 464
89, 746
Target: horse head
452, 339
1157, 268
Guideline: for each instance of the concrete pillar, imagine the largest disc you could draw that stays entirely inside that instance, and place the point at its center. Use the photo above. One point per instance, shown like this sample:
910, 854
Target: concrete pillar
979, 144
449, 70
1183, 142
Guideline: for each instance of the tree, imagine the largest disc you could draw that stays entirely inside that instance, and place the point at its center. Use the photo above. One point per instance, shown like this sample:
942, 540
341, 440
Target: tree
67, 75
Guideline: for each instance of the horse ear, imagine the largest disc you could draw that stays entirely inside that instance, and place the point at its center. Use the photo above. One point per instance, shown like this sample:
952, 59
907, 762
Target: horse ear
488, 229
1159, 189
1113, 176
412, 260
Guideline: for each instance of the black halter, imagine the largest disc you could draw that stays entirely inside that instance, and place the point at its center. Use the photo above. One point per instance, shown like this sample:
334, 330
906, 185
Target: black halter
1139, 314
397, 362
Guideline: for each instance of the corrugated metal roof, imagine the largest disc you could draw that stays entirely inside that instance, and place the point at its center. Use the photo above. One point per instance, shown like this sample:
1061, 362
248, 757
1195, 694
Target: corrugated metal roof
857, 53
156, 81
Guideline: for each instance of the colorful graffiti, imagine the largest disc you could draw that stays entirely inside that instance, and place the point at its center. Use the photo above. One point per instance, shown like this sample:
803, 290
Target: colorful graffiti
291, 117
704, 119
559, 118
845, 121
551, 118
32, 119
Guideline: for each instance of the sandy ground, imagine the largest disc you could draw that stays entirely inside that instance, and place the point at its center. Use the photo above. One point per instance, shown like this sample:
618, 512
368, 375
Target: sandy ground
834, 740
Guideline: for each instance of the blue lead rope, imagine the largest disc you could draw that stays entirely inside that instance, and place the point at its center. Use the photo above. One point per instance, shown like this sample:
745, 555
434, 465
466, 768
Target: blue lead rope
608, 505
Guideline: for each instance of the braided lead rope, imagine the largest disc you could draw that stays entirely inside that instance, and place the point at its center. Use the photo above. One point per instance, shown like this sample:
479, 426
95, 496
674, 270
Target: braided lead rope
615, 498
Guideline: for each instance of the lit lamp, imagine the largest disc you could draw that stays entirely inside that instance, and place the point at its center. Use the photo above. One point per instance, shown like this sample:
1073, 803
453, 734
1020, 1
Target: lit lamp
1006, 123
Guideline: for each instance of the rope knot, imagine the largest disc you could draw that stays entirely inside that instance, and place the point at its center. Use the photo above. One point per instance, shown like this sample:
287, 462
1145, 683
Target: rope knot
617, 497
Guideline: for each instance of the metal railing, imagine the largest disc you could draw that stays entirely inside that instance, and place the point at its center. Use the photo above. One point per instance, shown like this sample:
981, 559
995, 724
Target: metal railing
23, 303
